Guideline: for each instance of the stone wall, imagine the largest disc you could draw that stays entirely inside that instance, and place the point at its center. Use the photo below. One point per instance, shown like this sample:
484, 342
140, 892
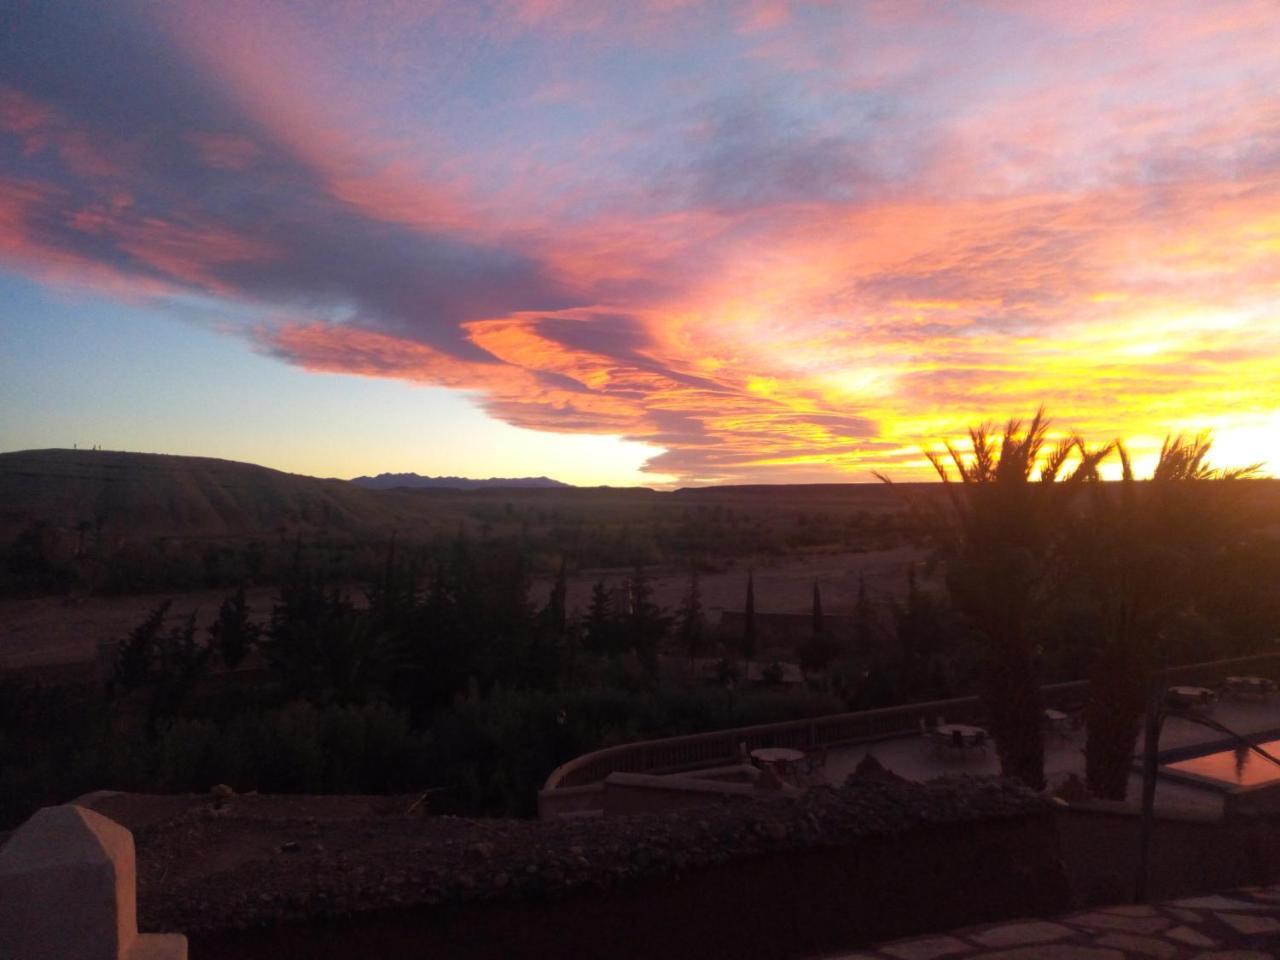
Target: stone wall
830, 870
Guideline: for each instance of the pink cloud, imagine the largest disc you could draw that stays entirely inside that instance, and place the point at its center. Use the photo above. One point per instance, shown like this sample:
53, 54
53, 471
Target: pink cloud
225, 151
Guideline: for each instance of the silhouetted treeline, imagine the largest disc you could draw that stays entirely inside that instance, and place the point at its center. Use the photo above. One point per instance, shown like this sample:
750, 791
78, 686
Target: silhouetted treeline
442, 676
45, 558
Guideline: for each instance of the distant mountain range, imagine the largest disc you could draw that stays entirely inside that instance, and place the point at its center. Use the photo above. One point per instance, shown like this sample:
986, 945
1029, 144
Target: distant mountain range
389, 481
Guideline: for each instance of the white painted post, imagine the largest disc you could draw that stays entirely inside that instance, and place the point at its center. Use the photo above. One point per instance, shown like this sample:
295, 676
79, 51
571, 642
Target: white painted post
68, 892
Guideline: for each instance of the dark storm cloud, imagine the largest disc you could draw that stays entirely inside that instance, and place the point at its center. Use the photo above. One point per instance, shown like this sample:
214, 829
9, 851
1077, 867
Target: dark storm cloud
119, 128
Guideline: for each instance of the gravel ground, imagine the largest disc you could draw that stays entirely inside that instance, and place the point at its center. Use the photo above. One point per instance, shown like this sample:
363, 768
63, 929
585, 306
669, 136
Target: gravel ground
258, 860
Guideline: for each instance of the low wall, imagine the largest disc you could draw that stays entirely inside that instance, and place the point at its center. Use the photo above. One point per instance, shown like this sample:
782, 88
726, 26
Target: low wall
1191, 853
827, 871
626, 793
1260, 800
768, 907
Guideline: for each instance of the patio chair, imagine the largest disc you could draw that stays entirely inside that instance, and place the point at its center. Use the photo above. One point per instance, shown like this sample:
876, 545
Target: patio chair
928, 736
812, 769
818, 760
957, 740
979, 741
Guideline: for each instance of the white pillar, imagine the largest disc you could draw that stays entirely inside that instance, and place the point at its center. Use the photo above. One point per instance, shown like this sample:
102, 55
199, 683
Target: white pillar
68, 892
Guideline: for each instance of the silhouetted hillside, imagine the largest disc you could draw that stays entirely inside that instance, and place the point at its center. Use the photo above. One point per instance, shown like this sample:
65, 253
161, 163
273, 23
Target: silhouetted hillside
391, 481
134, 495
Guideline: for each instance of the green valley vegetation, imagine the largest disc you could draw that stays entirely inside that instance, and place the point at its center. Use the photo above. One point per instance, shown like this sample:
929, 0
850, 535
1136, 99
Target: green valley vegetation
441, 674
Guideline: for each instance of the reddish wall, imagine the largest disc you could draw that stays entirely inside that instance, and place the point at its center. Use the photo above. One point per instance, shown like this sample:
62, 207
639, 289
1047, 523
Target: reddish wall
1188, 855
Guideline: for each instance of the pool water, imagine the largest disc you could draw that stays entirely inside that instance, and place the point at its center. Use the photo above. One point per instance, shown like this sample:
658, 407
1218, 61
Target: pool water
1238, 767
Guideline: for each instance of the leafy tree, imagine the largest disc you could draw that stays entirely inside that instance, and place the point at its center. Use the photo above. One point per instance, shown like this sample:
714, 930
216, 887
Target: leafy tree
181, 663
556, 603
921, 630
1002, 521
601, 627
233, 635
691, 627
313, 640
170, 664
816, 614
647, 624
136, 654
393, 597
866, 627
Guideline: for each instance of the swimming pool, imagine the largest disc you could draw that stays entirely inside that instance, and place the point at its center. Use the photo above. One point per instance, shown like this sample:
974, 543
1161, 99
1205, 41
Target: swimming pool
1237, 767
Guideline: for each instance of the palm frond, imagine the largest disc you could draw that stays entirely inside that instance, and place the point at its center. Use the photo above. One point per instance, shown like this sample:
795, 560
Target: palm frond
1052, 466
1126, 465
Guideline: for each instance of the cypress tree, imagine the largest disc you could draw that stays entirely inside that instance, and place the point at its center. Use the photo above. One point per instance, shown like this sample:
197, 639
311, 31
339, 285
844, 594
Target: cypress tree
749, 625
864, 621
556, 604
600, 626
817, 652
818, 629
233, 634
691, 620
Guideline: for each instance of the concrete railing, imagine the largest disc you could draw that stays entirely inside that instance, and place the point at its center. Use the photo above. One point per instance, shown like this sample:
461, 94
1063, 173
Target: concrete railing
571, 786
68, 892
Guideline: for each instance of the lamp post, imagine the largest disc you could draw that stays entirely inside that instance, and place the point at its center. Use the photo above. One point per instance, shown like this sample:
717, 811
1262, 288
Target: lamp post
1150, 762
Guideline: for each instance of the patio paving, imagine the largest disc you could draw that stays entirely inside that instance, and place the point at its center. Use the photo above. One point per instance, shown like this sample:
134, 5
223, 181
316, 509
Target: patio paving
1238, 925
913, 758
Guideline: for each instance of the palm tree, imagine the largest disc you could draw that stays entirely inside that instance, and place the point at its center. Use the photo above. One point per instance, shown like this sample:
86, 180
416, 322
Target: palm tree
1144, 551
998, 529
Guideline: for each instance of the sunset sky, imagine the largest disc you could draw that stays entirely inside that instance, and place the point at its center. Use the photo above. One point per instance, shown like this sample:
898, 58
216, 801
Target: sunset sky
642, 242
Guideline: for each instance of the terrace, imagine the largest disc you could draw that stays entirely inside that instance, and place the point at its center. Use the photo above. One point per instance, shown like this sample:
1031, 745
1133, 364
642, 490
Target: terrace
703, 766
915, 758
